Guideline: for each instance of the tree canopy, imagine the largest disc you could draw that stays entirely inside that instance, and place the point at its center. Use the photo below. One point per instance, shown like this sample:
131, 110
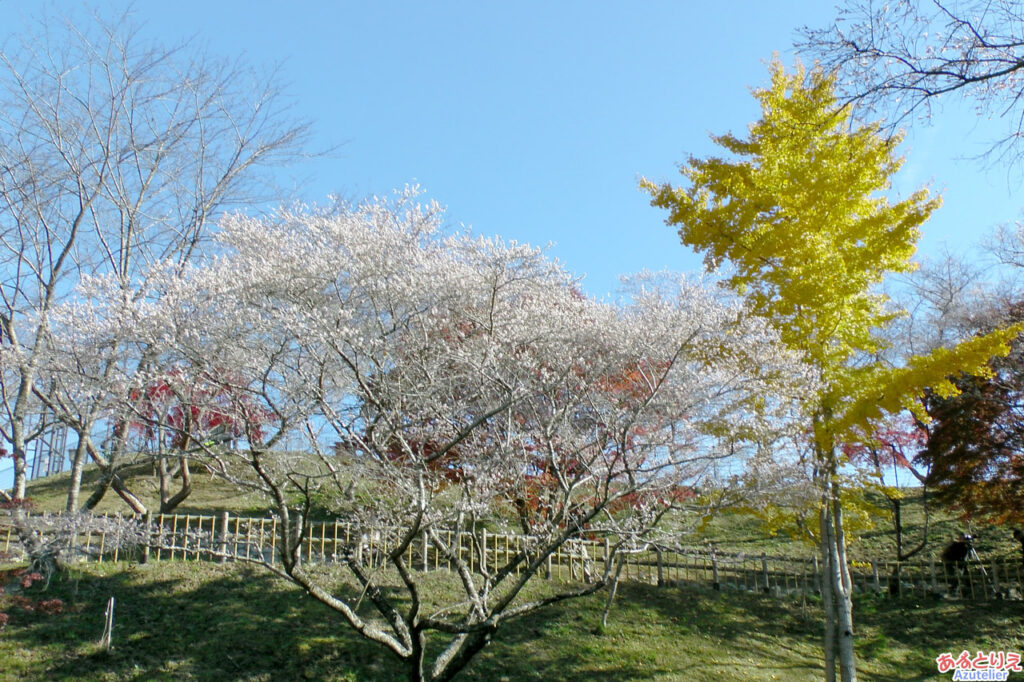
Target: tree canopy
438, 382
801, 219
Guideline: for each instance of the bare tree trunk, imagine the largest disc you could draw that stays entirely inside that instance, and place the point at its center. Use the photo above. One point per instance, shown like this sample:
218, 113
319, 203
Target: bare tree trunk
75, 484
827, 594
169, 504
20, 471
611, 591
844, 594
416, 657
897, 521
163, 475
17, 432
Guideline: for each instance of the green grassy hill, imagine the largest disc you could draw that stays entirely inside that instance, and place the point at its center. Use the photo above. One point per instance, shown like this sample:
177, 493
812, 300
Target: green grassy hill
204, 621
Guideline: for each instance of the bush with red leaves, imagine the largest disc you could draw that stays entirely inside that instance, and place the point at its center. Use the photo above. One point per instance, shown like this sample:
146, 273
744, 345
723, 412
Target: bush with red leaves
50, 606
18, 503
28, 578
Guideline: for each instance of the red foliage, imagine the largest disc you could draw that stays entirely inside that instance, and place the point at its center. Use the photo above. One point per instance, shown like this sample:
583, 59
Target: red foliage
18, 503
896, 443
50, 607
184, 408
27, 579
19, 579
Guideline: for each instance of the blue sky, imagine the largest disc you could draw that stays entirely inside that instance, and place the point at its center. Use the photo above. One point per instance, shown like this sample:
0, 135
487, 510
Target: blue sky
534, 120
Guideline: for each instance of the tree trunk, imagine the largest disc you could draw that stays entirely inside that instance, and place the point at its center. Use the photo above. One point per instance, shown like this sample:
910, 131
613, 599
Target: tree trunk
18, 418
165, 484
19, 455
416, 657
897, 520
827, 596
612, 590
169, 504
20, 473
110, 480
75, 485
844, 594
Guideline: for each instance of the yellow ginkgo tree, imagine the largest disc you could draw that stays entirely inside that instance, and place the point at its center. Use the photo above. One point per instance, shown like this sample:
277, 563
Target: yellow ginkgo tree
799, 213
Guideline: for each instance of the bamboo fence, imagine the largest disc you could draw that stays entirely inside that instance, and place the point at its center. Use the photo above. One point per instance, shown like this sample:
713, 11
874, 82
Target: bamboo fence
223, 537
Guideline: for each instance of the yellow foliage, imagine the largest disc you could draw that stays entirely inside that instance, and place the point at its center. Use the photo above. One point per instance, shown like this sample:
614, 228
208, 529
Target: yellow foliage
801, 213
803, 218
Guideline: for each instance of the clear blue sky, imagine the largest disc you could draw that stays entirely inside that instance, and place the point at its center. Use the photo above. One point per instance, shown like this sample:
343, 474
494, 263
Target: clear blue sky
534, 120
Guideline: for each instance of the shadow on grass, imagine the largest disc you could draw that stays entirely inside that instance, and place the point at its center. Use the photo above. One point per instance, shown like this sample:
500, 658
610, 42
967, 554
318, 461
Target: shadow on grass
895, 639
197, 620
184, 620
193, 621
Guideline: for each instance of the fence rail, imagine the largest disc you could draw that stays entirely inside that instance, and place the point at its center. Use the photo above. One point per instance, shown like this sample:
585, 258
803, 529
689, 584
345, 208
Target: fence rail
224, 537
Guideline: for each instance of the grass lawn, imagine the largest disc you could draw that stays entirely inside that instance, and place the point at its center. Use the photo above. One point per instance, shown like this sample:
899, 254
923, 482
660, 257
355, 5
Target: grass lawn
204, 621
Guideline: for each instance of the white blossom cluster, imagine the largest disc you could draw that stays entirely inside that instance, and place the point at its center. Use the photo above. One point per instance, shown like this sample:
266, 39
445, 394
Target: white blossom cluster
437, 378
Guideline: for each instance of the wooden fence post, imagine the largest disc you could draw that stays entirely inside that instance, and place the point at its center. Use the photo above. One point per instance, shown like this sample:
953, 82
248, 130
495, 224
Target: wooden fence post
764, 570
147, 519
661, 577
715, 583
483, 550
223, 548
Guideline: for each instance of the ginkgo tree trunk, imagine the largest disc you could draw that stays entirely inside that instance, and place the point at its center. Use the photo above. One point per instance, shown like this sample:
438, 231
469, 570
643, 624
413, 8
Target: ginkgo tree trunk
801, 215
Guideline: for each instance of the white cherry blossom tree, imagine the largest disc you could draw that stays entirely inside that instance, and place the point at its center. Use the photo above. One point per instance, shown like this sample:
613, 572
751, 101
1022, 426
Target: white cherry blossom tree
448, 382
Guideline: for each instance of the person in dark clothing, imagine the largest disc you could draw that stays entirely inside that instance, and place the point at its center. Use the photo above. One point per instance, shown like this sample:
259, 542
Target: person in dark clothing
954, 559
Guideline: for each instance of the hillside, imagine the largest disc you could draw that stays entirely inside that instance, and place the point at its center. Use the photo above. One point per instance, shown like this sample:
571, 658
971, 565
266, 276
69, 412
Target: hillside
203, 621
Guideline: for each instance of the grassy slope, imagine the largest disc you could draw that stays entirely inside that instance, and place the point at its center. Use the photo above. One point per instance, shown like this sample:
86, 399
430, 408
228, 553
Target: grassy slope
182, 621
734, 532
202, 621
209, 494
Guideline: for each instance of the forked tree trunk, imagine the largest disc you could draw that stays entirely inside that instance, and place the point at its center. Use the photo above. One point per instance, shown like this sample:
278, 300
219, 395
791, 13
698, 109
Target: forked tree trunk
844, 594
837, 590
110, 479
169, 503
